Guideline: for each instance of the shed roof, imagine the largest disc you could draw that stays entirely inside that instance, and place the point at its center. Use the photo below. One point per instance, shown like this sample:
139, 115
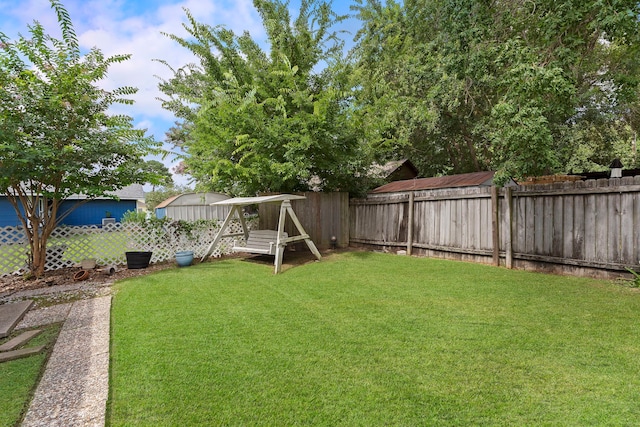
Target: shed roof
462, 180
244, 201
167, 202
192, 199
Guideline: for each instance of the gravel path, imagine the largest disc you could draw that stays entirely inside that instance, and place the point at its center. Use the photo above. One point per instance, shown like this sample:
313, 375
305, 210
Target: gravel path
74, 388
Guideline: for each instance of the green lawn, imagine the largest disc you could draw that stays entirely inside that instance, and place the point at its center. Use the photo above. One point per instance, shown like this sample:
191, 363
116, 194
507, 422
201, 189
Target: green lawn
19, 378
365, 339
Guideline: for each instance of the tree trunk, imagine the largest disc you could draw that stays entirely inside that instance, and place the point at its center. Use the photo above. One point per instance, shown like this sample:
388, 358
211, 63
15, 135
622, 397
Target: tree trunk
38, 256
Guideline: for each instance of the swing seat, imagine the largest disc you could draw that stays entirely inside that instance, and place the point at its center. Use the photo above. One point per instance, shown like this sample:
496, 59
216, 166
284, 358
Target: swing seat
260, 242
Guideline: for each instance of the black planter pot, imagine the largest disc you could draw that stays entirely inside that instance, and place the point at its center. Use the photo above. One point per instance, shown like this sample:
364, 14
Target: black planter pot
137, 260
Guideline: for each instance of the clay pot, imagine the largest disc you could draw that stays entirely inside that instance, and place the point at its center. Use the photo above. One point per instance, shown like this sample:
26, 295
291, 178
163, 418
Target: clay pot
81, 275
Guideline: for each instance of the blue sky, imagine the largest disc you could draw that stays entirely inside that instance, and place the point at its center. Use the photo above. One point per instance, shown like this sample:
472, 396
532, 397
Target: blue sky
134, 27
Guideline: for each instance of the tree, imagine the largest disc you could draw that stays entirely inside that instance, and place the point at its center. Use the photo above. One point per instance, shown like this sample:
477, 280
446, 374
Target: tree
57, 138
158, 170
462, 85
256, 121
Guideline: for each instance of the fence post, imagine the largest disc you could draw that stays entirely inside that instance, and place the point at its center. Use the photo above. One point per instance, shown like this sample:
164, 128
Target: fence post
495, 207
410, 223
509, 227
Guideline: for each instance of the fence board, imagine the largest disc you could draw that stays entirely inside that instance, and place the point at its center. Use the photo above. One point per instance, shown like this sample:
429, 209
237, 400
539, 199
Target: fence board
547, 224
579, 223
614, 239
590, 228
520, 206
627, 228
602, 229
538, 225
557, 246
568, 232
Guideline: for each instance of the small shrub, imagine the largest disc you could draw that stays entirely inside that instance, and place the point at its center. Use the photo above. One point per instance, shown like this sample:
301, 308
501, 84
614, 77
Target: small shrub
134, 216
635, 281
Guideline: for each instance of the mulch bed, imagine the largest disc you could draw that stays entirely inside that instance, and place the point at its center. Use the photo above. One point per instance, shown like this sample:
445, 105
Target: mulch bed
65, 276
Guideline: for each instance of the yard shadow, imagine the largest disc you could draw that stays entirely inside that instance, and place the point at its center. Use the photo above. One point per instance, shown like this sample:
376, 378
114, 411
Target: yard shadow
290, 259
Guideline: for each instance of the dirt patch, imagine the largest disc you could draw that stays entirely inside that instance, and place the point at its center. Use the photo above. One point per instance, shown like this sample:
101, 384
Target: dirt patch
64, 278
62, 281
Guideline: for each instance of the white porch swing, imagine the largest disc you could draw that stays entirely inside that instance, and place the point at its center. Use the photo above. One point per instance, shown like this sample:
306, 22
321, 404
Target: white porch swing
266, 242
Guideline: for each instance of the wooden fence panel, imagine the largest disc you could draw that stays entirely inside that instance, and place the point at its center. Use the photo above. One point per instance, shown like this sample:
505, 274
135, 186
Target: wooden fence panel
322, 215
584, 224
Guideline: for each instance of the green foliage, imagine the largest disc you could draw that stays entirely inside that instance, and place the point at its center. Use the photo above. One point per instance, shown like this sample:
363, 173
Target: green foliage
519, 87
255, 121
159, 172
19, 378
57, 138
134, 216
635, 282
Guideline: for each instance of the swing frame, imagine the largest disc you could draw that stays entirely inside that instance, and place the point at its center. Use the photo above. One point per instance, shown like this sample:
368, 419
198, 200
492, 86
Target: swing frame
282, 238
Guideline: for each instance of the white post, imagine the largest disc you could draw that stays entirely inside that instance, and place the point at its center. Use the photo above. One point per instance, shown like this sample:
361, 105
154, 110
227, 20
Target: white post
225, 224
280, 239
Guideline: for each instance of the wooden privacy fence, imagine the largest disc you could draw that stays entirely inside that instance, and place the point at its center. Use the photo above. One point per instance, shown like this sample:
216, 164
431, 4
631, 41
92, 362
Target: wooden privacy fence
583, 227
321, 214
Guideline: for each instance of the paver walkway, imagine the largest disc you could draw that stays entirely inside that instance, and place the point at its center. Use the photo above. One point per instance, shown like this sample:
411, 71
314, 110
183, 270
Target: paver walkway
74, 388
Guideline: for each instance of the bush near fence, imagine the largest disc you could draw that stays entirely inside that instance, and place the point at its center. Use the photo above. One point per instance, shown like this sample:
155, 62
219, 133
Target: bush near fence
68, 246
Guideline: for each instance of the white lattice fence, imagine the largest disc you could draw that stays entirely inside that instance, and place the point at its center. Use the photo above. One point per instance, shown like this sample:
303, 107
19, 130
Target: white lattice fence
68, 246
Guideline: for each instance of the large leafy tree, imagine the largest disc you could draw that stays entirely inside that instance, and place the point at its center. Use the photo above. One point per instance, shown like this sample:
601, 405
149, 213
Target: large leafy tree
57, 138
159, 172
519, 86
266, 121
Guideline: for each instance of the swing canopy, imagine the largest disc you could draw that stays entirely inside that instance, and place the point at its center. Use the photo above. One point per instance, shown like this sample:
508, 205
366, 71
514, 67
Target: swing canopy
245, 201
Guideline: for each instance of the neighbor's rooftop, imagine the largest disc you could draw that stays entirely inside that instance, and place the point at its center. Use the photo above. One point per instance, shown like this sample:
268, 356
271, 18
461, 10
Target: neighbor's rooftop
451, 181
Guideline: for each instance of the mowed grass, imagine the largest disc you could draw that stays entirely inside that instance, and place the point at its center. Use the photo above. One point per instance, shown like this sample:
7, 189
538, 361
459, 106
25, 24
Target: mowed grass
365, 339
19, 378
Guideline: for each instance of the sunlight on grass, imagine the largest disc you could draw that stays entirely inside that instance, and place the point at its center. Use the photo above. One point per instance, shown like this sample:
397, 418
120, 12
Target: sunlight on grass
372, 339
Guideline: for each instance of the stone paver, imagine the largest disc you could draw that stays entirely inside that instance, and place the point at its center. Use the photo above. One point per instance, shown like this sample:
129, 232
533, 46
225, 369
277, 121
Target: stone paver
11, 314
19, 340
7, 356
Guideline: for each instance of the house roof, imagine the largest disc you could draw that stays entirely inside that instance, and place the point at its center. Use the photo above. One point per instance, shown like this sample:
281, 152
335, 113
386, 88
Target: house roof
244, 201
130, 192
383, 171
451, 181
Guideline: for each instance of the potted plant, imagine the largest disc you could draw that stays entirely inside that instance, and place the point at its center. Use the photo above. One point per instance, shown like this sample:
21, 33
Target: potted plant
184, 258
138, 259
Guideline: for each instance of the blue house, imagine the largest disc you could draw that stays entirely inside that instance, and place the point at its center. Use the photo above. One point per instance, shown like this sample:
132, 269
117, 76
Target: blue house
91, 212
